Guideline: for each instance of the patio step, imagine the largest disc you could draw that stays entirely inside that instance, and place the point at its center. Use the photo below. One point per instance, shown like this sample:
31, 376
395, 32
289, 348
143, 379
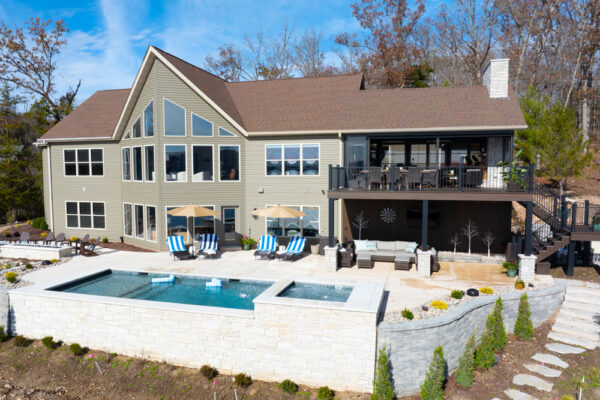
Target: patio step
583, 298
578, 324
579, 313
575, 331
584, 291
574, 341
583, 306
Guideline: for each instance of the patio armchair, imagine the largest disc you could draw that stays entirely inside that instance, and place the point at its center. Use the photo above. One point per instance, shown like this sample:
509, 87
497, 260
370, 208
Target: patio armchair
374, 177
414, 177
267, 245
209, 245
60, 239
294, 249
48, 239
473, 177
23, 238
87, 249
177, 248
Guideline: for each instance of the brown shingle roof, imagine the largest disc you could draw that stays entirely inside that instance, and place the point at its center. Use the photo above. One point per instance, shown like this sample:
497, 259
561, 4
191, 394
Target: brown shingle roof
94, 118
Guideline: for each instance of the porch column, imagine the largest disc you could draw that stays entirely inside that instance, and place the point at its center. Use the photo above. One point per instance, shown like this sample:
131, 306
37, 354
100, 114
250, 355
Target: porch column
437, 160
424, 224
528, 227
331, 222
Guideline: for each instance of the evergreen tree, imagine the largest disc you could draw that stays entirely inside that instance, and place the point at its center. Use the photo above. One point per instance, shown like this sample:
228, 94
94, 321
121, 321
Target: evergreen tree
466, 364
433, 387
484, 355
523, 325
498, 331
382, 386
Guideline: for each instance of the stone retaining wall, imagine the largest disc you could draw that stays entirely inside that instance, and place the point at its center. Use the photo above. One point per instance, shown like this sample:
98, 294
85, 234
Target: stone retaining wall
4, 310
411, 344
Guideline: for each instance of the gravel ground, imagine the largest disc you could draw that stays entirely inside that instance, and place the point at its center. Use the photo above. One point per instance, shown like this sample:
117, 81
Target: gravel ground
20, 266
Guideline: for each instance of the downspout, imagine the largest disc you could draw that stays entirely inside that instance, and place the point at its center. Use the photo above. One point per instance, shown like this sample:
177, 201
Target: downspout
51, 213
339, 216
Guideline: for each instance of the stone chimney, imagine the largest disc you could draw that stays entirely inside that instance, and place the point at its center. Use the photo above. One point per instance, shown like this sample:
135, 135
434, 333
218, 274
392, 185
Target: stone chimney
495, 77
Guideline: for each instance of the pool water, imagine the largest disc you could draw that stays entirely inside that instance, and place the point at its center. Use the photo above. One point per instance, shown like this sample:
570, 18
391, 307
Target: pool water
314, 291
185, 290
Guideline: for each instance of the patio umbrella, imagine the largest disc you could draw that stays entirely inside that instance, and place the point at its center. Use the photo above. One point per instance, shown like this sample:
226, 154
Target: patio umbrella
192, 211
278, 212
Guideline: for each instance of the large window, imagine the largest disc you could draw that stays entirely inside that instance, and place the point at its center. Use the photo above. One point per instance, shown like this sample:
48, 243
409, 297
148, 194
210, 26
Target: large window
308, 225
84, 162
176, 225
128, 227
202, 161
174, 119
137, 163
292, 159
229, 159
137, 128
139, 221
201, 127
149, 160
126, 162
204, 224
151, 223
85, 214
225, 132
149, 120
175, 170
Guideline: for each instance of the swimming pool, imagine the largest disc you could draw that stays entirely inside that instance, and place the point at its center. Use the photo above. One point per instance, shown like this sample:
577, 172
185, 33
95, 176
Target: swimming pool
316, 291
232, 293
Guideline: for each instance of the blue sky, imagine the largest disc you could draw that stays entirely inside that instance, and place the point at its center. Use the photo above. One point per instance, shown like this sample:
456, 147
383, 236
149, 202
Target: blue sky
108, 38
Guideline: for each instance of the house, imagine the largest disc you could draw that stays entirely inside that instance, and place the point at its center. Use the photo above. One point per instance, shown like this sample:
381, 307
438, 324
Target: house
419, 163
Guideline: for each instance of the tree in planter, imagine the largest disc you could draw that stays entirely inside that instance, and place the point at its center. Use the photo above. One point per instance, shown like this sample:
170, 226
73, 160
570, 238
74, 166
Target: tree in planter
454, 241
433, 387
382, 386
466, 364
470, 231
523, 325
360, 222
488, 239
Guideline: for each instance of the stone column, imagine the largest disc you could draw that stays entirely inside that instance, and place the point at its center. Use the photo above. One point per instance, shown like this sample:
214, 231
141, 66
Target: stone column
423, 263
331, 258
527, 268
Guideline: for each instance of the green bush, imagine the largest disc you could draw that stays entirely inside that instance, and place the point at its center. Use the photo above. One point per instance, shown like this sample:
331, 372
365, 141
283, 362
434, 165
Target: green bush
208, 372
76, 349
484, 355
39, 223
105, 240
523, 325
21, 341
324, 393
243, 380
498, 331
2, 334
382, 386
28, 266
288, 386
466, 364
406, 313
457, 294
11, 276
433, 387
568, 397
48, 342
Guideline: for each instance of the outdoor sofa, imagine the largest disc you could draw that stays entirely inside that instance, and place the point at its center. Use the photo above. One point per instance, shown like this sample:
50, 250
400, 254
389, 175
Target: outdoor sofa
401, 253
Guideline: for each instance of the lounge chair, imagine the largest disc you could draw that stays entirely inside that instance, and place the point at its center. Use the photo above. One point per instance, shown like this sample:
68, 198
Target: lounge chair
294, 249
266, 247
177, 248
24, 238
209, 245
80, 242
60, 239
48, 239
87, 249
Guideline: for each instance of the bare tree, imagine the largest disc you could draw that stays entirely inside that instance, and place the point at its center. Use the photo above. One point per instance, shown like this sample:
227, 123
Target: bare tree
361, 223
470, 231
309, 55
488, 239
454, 241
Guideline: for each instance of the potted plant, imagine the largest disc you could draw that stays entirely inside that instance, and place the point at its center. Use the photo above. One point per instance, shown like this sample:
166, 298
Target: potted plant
511, 268
596, 223
519, 284
513, 174
247, 242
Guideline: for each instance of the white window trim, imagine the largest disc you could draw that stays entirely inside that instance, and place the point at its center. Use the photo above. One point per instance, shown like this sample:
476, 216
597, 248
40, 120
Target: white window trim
134, 226
212, 126
164, 120
91, 215
130, 174
239, 162
144, 172
226, 130
146, 223
282, 145
212, 150
301, 218
165, 162
133, 164
131, 222
141, 127
89, 162
143, 117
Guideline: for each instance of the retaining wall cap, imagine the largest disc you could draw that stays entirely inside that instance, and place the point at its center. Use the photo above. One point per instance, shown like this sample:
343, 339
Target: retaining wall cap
458, 312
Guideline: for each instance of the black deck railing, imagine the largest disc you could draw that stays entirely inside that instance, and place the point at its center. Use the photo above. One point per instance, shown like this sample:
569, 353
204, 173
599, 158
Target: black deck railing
454, 178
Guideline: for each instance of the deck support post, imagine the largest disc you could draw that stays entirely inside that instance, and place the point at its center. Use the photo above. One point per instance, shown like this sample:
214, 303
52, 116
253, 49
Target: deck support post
571, 258
586, 213
437, 161
424, 225
528, 227
460, 173
331, 221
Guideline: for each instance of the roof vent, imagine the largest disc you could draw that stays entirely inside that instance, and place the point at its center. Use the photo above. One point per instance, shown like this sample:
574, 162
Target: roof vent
495, 77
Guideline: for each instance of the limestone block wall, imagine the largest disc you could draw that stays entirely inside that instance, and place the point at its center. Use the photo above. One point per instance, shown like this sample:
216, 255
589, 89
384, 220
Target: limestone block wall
310, 345
411, 344
4, 310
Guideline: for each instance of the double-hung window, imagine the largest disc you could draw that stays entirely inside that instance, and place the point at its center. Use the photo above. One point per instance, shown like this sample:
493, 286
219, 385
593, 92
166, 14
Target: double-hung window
127, 216
149, 162
310, 159
85, 214
138, 218
126, 161
83, 162
175, 164
274, 159
137, 163
229, 159
202, 163
137, 128
292, 159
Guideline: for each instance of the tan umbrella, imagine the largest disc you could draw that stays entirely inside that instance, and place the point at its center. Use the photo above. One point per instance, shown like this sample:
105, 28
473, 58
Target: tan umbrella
278, 212
192, 211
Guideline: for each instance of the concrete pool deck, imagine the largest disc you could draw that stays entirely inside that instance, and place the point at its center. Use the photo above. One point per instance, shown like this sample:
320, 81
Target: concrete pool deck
405, 289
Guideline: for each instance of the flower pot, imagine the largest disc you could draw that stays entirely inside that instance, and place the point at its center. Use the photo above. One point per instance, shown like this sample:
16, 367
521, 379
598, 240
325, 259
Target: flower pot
596, 227
511, 272
246, 247
520, 286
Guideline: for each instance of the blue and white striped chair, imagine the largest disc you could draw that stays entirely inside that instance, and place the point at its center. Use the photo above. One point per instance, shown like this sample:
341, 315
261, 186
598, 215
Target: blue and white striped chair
267, 245
177, 248
209, 244
294, 249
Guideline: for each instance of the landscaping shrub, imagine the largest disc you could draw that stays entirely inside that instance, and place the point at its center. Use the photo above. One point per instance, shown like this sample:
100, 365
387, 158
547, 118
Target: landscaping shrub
324, 393
7, 233
486, 290
54, 261
406, 313
568, 397
440, 305
28, 266
39, 223
21, 341
76, 349
496, 326
105, 240
523, 325
208, 372
48, 342
382, 386
433, 387
288, 386
484, 355
457, 294
44, 234
2, 334
243, 380
466, 364
29, 222
11, 276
